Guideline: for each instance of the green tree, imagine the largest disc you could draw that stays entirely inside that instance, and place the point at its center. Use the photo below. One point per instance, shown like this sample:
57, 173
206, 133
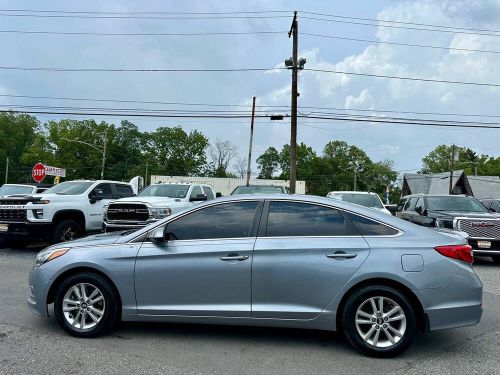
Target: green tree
268, 163
17, 132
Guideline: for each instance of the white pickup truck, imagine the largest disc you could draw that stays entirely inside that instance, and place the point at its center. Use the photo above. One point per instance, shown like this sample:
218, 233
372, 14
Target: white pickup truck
61, 213
153, 203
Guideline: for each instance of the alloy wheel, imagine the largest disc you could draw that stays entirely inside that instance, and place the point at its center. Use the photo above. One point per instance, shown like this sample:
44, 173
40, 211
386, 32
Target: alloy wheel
83, 306
380, 321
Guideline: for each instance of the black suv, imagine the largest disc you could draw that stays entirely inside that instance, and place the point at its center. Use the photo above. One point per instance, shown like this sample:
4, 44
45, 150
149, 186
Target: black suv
456, 212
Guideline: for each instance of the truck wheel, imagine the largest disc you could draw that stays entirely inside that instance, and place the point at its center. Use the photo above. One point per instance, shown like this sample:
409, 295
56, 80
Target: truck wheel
86, 305
66, 230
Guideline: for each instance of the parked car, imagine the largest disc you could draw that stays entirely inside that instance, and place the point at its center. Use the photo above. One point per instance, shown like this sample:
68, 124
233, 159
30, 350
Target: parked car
260, 189
363, 198
64, 212
266, 260
493, 205
155, 202
21, 189
459, 213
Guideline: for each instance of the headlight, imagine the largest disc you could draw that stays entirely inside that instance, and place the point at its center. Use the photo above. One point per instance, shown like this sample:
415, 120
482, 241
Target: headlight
42, 201
48, 255
159, 213
444, 223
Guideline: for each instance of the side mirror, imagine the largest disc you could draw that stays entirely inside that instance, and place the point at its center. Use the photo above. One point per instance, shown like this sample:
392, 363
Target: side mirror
198, 198
96, 195
158, 235
492, 209
218, 194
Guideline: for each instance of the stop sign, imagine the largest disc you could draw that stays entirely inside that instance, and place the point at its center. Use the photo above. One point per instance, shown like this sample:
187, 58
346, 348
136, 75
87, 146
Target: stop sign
38, 172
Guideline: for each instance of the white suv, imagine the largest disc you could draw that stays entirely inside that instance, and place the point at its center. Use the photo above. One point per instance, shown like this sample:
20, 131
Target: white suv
64, 212
153, 203
371, 200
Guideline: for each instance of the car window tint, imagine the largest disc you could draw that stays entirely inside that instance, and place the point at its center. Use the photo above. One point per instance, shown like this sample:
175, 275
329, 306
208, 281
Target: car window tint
196, 191
302, 219
208, 192
368, 227
229, 220
123, 191
410, 205
106, 191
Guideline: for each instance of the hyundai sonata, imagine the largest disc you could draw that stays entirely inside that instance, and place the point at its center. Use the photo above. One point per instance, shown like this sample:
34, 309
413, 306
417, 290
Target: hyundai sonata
274, 260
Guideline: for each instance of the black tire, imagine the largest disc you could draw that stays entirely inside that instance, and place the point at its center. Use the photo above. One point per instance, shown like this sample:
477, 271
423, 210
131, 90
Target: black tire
66, 230
111, 303
350, 330
496, 259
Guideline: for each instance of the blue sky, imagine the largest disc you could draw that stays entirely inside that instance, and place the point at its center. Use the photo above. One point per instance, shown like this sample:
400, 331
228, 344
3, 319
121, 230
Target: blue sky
406, 145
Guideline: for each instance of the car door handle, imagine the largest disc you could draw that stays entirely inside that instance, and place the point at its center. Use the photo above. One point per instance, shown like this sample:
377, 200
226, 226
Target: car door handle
342, 255
234, 257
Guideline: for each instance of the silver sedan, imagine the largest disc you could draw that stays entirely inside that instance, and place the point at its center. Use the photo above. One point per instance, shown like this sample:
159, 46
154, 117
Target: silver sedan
276, 260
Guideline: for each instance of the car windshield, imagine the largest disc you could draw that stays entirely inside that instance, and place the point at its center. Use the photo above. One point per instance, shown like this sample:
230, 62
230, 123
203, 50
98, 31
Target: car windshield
450, 203
257, 190
14, 189
69, 188
367, 200
165, 190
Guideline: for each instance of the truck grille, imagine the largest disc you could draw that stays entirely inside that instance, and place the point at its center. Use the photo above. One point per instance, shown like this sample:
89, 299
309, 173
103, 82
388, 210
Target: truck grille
480, 228
12, 215
127, 212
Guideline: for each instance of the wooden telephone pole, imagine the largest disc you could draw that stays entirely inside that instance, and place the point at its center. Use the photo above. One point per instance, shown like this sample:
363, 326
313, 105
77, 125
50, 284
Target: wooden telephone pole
452, 167
251, 140
294, 31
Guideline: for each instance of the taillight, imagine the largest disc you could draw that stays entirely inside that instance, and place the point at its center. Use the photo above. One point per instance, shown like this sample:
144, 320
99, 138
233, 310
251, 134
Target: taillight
460, 252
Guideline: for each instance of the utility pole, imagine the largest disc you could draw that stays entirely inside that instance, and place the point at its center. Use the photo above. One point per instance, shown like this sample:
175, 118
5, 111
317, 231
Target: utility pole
355, 179
251, 140
452, 167
104, 154
146, 178
294, 31
7, 170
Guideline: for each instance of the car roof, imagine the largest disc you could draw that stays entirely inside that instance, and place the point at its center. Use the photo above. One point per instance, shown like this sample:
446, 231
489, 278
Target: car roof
259, 185
352, 192
437, 195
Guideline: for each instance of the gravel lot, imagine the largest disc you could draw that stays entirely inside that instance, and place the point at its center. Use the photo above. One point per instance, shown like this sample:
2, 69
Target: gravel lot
33, 345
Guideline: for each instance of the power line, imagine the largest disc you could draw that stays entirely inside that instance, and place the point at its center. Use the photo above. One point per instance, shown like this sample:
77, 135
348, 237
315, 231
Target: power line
397, 43
41, 32
400, 22
133, 12
179, 17
399, 27
403, 78
166, 70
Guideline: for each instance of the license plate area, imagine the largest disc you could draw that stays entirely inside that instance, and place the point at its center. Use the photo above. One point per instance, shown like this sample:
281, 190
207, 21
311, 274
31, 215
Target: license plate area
4, 227
484, 244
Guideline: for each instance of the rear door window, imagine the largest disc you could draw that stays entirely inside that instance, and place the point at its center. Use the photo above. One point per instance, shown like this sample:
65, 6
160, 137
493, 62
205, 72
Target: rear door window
123, 191
296, 219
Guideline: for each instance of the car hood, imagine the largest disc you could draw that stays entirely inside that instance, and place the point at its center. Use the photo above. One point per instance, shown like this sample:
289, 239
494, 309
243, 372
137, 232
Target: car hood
454, 214
153, 201
94, 240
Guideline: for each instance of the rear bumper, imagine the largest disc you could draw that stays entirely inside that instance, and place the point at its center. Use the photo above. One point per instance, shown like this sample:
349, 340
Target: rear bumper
458, 304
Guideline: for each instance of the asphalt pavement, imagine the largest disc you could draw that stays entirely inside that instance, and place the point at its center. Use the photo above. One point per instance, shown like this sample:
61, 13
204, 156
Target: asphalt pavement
34, 345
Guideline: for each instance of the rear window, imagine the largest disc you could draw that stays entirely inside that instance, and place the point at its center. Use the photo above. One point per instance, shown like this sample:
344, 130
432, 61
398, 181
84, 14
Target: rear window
368, 227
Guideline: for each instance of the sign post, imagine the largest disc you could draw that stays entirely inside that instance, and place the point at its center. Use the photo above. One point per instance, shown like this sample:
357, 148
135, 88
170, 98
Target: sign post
39, 172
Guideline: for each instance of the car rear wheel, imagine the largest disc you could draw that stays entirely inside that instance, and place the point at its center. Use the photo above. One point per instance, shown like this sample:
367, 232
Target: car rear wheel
86, 305
379, 321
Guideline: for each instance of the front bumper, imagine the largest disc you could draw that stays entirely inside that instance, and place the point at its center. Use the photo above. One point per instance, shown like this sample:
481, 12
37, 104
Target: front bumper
39, 283
110, 226
494, 249
27, 231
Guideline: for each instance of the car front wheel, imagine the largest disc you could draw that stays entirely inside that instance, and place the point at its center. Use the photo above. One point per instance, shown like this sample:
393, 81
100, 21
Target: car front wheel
379, 321
86, 305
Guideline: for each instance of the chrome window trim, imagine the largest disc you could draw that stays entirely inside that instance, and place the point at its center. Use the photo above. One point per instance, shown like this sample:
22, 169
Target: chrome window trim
400, 231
